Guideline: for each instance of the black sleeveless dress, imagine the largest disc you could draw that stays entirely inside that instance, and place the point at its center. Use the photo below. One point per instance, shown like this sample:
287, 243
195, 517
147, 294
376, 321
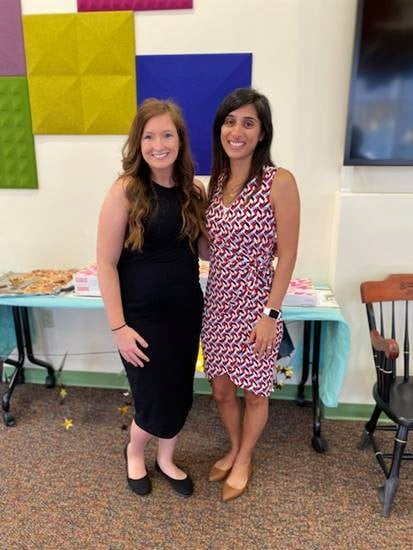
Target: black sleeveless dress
162, 300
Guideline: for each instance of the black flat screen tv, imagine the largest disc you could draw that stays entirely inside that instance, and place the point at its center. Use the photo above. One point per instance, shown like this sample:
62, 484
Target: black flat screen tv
380, 112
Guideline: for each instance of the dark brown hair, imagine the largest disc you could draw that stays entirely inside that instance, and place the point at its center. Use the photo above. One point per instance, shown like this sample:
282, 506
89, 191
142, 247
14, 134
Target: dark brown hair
137, 173
262, 156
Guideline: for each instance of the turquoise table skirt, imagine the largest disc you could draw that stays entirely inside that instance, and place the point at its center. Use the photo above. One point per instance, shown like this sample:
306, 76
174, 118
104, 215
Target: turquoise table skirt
334, 345
7, 334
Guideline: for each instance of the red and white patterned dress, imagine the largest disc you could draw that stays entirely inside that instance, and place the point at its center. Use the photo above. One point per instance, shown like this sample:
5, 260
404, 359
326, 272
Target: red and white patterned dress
243, 244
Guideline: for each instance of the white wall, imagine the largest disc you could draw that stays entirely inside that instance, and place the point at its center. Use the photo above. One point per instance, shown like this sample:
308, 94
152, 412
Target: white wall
373, 240
301, 60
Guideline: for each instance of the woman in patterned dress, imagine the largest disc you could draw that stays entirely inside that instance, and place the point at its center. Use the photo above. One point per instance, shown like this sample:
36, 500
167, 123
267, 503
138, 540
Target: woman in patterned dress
252, 217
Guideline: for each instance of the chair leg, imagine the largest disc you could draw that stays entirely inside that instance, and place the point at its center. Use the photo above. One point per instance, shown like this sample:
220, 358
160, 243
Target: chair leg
388, 490
369, 429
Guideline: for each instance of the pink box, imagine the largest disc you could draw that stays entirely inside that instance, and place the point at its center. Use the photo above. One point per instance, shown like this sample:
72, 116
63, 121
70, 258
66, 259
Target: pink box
86, 281
300, 292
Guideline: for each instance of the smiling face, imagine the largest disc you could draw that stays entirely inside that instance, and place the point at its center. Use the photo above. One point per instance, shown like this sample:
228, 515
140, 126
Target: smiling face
241, 132
160, 143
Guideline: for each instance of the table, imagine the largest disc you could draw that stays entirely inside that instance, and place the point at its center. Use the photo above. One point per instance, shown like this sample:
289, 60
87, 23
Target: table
326, 345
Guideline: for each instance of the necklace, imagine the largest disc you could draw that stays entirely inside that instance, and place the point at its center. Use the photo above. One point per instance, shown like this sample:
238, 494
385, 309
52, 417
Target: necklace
234, 191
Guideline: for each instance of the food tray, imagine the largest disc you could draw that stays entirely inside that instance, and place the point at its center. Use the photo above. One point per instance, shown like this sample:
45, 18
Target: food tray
38, 282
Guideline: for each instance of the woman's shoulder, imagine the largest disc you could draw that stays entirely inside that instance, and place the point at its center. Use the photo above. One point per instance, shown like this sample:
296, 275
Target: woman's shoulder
284, 187
118, 190
122, 184
282, 176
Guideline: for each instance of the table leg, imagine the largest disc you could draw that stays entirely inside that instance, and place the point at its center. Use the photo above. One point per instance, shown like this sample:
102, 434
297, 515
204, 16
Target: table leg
18, 374
23, 335
318, 442
50, 378
300, 401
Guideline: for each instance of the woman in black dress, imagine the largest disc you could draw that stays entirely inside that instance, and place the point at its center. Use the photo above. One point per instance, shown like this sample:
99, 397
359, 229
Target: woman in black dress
150, 227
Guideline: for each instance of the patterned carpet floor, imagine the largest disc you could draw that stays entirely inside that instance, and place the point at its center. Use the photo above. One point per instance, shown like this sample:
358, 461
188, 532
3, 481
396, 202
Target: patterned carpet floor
66, 488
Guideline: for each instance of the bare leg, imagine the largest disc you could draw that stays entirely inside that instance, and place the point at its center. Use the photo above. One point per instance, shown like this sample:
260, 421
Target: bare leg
229, 408
166, 448
136, 449
255, 418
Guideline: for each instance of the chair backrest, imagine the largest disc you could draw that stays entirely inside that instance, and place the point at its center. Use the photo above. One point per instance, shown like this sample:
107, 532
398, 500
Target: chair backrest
389, 300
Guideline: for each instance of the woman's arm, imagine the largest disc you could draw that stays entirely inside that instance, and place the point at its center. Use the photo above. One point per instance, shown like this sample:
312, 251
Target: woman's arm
285, 201
203, 248
286, 204
203, 244
113, 220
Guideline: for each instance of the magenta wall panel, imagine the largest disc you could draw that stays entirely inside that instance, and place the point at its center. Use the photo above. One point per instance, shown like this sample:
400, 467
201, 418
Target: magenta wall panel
134, 5
12, 61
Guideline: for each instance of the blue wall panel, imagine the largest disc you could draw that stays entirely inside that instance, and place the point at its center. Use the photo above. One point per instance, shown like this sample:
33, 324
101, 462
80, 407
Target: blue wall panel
198, 83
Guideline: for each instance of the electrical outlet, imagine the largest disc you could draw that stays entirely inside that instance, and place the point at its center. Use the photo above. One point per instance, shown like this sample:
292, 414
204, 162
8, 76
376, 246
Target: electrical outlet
47, 318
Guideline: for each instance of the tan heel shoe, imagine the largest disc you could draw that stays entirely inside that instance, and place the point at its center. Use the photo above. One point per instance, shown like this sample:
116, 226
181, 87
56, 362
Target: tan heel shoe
229, 492
218, 474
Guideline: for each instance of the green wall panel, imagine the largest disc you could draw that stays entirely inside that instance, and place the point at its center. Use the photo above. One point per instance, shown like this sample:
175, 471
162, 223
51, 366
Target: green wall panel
17, 157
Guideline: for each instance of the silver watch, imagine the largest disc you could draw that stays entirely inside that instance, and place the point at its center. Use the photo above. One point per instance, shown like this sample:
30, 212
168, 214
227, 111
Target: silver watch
273, 313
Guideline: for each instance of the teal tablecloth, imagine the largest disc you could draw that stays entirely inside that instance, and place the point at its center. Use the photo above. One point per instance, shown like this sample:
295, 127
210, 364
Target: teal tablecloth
7, 334
334, 346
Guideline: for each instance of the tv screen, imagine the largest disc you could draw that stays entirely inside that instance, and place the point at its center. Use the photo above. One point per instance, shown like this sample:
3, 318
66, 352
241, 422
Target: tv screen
380, 114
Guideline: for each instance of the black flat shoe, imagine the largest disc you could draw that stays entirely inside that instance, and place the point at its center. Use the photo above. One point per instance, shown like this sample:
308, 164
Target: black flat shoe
184, 487
141, 486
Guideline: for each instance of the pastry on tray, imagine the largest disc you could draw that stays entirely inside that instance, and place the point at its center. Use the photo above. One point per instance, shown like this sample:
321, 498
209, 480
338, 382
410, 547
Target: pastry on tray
38, 281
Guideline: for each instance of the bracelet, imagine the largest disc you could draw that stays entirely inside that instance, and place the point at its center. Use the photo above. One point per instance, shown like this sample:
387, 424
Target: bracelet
118, 328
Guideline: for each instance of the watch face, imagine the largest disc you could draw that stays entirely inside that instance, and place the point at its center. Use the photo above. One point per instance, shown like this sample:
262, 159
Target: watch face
274, 313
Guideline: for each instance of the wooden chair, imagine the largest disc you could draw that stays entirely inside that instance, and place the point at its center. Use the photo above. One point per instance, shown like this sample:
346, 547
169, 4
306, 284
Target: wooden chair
390, 300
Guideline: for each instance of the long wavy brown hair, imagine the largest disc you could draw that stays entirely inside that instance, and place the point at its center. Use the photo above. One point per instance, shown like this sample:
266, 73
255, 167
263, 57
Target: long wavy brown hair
137, 174
262, 155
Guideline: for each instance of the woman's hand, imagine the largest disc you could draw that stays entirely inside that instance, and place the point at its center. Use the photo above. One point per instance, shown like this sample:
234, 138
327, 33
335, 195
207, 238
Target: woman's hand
264, 334
127, 339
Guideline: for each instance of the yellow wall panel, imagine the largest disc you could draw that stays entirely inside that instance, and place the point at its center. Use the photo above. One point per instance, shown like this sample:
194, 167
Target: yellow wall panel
81, 72
56, 105
51, 44
103, 52
101, 98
